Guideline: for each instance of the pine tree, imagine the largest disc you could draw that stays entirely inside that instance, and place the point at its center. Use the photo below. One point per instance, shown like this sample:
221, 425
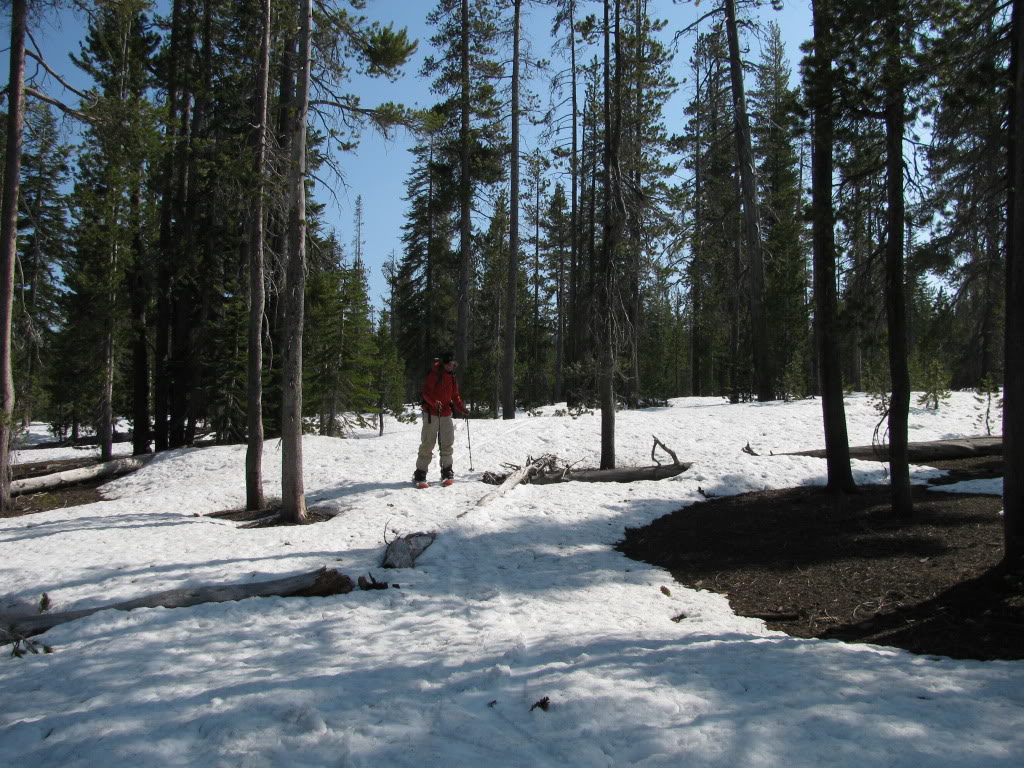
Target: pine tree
43, 241
714, 228
388, 383
966, 167
489, 314
466, 72
556, 245
1013, 388
9, 237
426, 279
776, 135
110, 197
751, 207
820, 97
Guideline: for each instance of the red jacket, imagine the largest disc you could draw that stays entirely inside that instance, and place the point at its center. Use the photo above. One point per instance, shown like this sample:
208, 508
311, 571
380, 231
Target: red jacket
441, 392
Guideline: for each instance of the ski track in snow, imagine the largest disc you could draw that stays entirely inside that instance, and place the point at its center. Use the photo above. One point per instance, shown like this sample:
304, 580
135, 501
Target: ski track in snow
521, 599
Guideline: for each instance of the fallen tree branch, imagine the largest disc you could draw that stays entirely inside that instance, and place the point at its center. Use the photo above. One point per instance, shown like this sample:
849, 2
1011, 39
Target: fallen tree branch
320, 583
510, 482
72, 476
403, 551
617, 475
934, 450
666, 449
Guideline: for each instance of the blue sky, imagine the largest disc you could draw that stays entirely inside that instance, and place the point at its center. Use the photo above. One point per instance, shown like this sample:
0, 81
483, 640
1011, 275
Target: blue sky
378, 168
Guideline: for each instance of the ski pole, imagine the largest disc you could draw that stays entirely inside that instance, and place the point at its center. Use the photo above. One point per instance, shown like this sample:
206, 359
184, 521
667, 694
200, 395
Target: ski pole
469, 441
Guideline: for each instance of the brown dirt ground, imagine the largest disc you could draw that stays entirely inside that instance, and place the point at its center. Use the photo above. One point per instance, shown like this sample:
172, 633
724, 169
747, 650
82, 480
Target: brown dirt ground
814, 567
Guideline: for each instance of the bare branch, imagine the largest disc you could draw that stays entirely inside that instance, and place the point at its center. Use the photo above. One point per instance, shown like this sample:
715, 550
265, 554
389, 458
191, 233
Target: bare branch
59, 104
42, 62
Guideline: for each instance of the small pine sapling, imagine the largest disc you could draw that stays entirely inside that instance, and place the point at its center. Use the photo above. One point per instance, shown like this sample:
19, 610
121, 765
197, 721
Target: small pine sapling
990, 404
935, 385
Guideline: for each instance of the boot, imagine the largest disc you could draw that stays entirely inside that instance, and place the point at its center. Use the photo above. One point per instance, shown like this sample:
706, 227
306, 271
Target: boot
419, 478
447, 475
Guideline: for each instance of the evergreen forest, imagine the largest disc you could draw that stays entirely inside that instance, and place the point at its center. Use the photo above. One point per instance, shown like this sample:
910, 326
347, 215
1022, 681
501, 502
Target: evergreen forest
807, 223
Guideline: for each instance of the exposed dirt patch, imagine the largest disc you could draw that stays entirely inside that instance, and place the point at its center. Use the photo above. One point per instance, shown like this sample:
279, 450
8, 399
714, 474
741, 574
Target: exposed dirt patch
814, 567
268, 517
58, 498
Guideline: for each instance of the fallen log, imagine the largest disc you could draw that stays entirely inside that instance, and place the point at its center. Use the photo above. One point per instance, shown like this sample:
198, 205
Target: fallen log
320, 583
510, 482
403, 551
923, 452
617, 475
73, 476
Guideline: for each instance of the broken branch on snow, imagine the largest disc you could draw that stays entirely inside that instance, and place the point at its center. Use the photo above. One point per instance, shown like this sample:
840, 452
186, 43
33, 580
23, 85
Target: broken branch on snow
319, 583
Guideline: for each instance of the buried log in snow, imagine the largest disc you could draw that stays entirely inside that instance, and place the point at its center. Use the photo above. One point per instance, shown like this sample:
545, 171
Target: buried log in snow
543, 471
510, 482
320, 583
403, 551
934, 450
80, 475
617, 475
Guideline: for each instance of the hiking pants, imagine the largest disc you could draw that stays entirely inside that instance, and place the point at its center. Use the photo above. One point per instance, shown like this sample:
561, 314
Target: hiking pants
439, 430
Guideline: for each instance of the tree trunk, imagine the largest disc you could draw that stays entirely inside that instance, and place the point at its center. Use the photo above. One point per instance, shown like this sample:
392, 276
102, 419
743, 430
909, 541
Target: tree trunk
1013, 384
321, 583
609, 246
465, 198
837, 445
571, 353
257, 299
174, 182
139, 296
751, 219
80, 475
293, 499
105, 428
895, 296
508, 365
9, 238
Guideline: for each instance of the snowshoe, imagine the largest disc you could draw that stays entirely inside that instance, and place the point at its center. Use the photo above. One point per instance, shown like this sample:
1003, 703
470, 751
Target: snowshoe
419, 479
447, 481
447, 476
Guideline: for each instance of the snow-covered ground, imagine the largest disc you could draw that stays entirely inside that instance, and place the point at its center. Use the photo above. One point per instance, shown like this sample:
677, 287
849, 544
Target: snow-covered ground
518, 600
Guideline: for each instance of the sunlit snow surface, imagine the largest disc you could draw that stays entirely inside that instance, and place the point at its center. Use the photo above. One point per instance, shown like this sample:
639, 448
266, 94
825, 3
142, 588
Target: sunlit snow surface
521, 599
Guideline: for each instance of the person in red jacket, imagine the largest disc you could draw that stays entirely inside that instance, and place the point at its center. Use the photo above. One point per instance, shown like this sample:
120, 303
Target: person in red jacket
440, 400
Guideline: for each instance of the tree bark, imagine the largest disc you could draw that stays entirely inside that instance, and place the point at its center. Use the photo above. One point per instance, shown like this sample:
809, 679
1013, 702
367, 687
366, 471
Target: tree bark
257, 299
1013, 384
321, 583
751, 218
609, 246
293, 499
139, 294
616, 475
837, 445
508, 365
512, 287
403, 551
80, 475
509, 483
895, 297
572, 353
933, 450
9, 238
465, 198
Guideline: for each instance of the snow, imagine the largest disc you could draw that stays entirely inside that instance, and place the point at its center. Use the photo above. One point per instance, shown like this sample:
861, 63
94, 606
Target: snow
990, 487
521, 599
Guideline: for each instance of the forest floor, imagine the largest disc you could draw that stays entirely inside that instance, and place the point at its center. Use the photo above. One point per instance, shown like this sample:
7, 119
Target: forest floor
812, 566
